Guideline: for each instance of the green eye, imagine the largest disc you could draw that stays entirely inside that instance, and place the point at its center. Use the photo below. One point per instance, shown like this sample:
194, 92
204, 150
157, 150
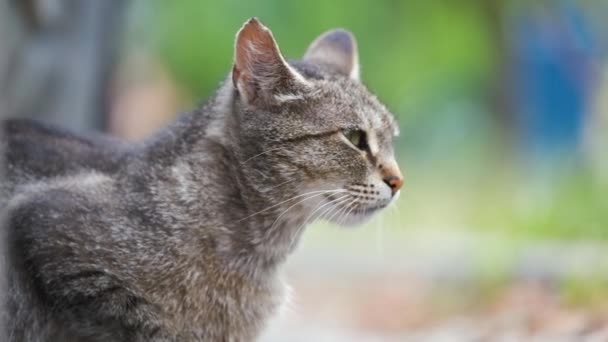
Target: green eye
358, 138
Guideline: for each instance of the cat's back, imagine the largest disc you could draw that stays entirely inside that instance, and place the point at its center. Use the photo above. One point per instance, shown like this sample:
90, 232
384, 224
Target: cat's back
36, 150
33, 151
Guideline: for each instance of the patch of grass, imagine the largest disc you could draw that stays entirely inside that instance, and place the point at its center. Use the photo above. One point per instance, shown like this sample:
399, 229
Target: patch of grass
574, 207
588, 292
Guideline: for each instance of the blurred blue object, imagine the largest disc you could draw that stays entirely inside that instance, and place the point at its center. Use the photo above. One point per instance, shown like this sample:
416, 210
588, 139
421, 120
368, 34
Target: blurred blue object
553, 50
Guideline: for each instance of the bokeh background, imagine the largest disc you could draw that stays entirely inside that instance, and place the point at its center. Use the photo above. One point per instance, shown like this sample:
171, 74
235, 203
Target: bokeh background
501, 232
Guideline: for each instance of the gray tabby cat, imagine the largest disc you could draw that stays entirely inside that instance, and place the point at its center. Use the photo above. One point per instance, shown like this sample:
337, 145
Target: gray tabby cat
183, 239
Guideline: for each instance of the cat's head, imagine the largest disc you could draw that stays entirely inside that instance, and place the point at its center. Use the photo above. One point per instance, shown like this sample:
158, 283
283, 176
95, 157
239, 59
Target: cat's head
311, 125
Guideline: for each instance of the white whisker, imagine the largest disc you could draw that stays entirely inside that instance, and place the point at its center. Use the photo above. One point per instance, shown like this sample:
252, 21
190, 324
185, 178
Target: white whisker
338, 212
281, 184
290, 199
341, 209
332, 205
260, 154
351, 209
283, 213
380, 237
335, 206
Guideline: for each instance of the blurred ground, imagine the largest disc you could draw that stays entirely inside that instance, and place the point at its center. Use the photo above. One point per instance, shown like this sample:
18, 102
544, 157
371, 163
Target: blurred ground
432, 287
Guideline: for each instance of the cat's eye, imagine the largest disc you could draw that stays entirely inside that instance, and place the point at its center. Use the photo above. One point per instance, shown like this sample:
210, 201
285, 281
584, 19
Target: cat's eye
357, 137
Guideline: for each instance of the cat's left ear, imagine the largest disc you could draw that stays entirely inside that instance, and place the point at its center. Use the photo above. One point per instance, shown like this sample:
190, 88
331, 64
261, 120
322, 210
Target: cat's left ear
260, 73
336, 49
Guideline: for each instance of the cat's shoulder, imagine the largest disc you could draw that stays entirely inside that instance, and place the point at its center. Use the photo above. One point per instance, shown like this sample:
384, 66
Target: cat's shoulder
27, 129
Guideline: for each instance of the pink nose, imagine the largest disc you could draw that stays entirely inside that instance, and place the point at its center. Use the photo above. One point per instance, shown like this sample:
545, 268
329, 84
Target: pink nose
394, 182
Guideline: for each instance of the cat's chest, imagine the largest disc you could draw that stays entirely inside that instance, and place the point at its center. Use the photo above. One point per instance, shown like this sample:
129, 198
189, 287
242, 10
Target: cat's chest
225, 305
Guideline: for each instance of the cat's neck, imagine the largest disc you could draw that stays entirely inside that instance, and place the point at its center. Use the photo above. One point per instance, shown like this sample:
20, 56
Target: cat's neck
192, 170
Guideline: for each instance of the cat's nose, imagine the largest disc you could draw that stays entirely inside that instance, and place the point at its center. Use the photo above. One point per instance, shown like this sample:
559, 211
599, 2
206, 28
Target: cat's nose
391, 175
394, 182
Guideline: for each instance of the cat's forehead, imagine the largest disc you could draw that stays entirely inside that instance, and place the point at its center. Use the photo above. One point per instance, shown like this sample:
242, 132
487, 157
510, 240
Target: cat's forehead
331, 102
376, 116
356, 105
348, 94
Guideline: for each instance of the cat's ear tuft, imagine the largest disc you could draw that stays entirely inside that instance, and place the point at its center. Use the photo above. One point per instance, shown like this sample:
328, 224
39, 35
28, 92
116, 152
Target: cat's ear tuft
336, 49
260, 72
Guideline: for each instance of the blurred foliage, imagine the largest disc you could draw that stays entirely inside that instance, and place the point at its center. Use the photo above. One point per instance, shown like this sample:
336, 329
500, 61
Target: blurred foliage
589, 292
414, 62
577, 209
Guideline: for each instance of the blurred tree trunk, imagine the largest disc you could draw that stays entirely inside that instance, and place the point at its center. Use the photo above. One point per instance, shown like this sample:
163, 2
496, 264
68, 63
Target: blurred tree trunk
495, 12
501, 98
56, 59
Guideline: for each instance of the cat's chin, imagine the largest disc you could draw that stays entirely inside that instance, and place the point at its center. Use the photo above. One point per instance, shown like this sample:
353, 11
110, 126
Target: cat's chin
355, 219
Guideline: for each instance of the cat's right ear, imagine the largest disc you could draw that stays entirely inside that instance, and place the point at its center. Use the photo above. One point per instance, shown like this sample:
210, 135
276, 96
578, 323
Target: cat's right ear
338, 50
260, 73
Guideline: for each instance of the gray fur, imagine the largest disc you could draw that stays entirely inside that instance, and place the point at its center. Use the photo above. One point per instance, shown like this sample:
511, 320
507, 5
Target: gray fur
181, 239
35, 151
